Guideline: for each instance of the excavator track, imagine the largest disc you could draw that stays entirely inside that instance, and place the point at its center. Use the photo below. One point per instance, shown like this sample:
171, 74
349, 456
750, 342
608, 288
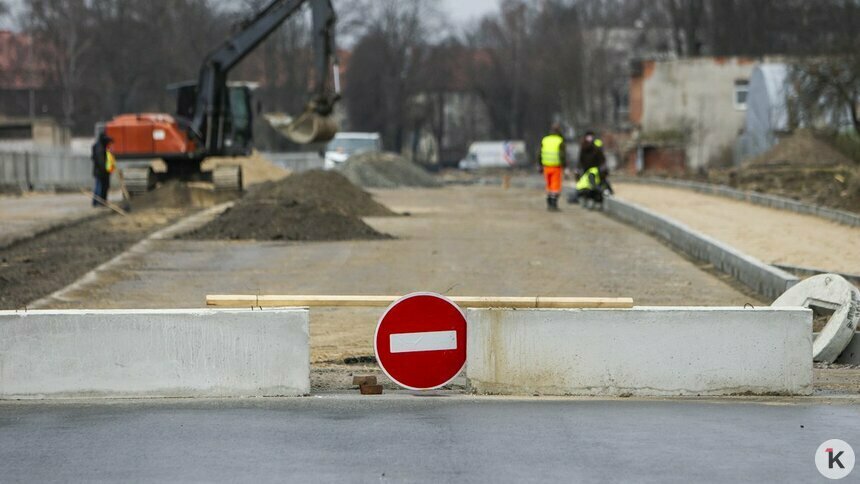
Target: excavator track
139, 180
227, 178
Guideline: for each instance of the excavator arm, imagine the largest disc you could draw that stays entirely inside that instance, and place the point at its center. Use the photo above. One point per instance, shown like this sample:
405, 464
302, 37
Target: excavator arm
207, 121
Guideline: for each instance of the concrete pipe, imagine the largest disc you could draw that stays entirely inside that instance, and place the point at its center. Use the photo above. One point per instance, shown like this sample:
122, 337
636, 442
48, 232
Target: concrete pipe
311, 127
827, 293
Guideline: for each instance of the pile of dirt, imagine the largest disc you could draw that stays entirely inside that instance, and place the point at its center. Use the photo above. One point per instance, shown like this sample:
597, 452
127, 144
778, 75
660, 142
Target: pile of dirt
834, 186
311, 206
387, 170
802, 148
801, 167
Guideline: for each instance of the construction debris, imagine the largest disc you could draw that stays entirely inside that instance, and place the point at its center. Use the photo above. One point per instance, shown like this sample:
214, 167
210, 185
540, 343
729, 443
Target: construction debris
311, 206
363, 380
387, 170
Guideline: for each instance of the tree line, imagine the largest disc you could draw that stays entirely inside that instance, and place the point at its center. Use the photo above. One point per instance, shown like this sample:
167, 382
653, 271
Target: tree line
526, 65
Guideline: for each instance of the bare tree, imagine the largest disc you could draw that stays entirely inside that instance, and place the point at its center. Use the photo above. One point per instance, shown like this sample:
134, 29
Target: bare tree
828, 88
64, 30
383, 75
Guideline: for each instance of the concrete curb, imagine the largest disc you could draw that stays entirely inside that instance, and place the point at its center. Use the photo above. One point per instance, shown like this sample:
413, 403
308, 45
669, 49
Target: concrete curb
154, 354
772, 201
645, 351
186, 224
764, 279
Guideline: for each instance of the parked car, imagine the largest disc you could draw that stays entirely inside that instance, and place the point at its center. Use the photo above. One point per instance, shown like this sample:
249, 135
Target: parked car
344, 145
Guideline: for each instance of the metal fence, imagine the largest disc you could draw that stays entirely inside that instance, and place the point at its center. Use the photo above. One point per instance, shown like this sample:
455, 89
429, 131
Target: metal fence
45, 171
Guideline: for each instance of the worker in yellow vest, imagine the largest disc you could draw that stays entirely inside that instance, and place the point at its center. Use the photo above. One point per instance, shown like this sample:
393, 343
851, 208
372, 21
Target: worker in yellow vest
104, 165
589, 188
553, 160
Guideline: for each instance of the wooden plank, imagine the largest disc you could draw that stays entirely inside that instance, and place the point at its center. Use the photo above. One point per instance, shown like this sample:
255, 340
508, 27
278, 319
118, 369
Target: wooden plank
536, 302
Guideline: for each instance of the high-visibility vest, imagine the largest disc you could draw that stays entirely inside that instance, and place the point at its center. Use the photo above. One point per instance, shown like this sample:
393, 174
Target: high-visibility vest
584, 182
110, 162
550, 150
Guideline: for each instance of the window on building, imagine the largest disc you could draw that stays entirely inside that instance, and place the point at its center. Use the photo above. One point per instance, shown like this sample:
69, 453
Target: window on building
742, 88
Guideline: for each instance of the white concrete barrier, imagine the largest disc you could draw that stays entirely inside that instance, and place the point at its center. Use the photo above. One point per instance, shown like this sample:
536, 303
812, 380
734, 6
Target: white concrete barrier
642, 352
154, 353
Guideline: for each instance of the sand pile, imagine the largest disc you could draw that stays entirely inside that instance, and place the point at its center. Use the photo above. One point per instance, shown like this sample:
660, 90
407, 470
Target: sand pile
256, 168
387, 170
313, 206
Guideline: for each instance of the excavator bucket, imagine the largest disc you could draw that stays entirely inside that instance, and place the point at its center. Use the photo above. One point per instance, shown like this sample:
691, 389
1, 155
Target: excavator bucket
311, 127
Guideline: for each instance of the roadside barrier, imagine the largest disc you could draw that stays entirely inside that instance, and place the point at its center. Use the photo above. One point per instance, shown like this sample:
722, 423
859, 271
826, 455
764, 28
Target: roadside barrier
640, 352
154, 353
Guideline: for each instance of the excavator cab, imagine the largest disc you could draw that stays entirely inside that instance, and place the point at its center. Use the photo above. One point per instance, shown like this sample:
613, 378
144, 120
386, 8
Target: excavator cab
236, 128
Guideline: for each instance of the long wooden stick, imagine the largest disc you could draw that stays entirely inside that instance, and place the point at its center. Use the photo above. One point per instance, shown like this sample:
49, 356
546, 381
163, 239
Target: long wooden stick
535, 302
105, 202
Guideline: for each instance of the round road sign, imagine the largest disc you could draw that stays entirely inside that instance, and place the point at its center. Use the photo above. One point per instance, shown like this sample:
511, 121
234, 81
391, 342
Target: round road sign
420, 341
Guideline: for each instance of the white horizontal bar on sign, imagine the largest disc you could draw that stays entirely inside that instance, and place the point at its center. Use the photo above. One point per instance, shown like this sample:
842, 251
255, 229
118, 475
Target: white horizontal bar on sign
430, 341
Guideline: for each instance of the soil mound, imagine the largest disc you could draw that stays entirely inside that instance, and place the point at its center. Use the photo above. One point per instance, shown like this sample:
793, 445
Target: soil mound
328, 190
801, 148
311, 206
387, 170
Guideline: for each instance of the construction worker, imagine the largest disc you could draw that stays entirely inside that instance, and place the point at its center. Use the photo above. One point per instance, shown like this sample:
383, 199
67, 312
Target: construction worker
589, 188
591, 152
104, 165
592, 160
553, 160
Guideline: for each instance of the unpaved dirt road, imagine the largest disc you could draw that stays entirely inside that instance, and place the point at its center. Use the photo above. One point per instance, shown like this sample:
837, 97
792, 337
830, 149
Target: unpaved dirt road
24, 216
774, 236
477, 241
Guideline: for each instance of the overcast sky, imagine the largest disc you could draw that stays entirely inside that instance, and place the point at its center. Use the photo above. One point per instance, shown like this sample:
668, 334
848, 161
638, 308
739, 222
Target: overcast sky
461, 11
464, 10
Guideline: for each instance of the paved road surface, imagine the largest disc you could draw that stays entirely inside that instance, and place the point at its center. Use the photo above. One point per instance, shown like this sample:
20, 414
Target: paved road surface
774, 236
405, 438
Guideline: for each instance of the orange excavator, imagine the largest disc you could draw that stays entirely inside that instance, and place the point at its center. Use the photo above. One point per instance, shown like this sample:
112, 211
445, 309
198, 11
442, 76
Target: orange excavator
214, 117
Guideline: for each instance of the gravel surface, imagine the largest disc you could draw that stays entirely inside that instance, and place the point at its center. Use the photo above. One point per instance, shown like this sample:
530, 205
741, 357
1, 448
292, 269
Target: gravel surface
387, 170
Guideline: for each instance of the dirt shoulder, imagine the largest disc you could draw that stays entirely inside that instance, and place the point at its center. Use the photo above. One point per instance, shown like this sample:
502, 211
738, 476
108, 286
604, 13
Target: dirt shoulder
36, 267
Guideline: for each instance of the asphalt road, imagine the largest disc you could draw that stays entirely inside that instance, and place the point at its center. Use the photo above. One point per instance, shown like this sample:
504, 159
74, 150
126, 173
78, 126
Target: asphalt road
419, 439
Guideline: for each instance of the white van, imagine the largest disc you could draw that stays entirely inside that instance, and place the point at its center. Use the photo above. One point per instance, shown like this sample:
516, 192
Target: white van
495, 154
345, 145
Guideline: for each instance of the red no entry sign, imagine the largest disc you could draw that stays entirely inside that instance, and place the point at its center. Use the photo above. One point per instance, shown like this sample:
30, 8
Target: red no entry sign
420, 341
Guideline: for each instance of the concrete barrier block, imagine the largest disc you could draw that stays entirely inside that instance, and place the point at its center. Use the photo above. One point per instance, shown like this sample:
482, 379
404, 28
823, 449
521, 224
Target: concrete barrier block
643, 352
153, 353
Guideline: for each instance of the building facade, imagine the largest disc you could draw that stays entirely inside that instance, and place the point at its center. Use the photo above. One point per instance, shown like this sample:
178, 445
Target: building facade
696, 104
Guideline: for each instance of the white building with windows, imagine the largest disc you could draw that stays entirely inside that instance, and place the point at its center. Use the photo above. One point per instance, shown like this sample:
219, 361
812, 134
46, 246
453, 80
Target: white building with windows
698, 102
